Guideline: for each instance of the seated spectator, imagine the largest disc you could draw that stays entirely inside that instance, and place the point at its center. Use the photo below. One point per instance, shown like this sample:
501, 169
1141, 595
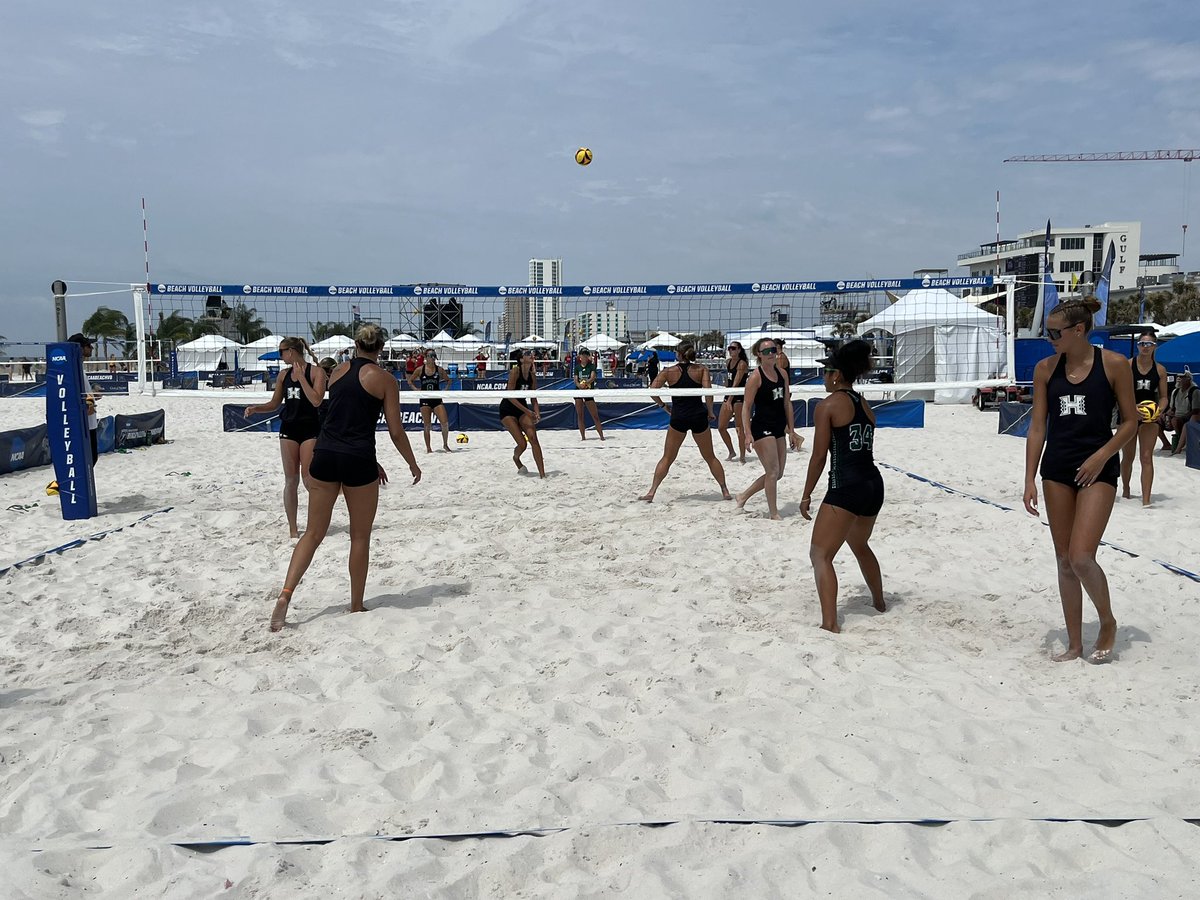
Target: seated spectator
1184, 407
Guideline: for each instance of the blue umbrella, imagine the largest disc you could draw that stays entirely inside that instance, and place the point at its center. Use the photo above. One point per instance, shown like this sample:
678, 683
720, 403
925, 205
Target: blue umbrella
271, 354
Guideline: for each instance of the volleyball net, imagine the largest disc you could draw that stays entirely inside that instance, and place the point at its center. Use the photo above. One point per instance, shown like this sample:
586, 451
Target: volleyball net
931, 336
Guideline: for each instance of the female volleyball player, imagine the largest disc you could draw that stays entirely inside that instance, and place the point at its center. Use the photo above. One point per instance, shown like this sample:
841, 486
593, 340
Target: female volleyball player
687, 414
767, 418
844, 431
1149, 383
1073, 396
520, 417
344, 462
431, 377
585, 380
301, 388
737, 368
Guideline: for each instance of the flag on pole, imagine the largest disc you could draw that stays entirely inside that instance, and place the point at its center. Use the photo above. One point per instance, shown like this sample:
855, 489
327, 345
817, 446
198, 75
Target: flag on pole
1102, 285
1049, 288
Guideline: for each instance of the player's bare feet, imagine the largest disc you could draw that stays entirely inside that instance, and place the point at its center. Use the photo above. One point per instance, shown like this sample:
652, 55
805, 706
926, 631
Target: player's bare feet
832, 628
279, 614
880, 604
1067, 655
1105, 641
725, 495
647, 498
776, 517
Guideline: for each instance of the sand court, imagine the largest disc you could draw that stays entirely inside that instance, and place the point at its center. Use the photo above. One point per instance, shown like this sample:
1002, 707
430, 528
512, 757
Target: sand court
553, 654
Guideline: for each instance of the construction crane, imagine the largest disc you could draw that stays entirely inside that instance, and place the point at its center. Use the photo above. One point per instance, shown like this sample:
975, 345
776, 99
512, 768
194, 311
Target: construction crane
1119, 156
1128, 156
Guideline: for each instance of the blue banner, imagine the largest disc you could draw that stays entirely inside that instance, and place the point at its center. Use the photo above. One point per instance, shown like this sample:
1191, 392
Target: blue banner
676, 289
24, 448
67, 430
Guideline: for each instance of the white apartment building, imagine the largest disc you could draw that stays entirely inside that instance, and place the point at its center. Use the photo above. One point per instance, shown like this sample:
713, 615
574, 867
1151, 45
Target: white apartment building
611, 321
1076, 253
526, 315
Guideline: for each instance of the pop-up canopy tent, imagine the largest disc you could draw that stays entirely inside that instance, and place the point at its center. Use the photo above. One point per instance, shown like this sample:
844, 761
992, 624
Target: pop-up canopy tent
801, 348
662, 339
332, 345
402, 342
941, 337
601, 342
206, 353
1180, 353
534, 342
250, 355
1178, 329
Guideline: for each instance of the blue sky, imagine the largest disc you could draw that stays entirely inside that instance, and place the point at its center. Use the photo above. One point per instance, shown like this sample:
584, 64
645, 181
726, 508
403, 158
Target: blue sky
391, 142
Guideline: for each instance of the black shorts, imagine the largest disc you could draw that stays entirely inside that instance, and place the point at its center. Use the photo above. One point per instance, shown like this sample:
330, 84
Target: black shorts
432, 402
342, 468
862, 498
760, 429
300, 431
696, 423
587, 397
508, 408
1064, 473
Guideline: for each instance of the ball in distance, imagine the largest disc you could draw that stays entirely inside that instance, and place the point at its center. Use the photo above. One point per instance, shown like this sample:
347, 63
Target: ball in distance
462, 439
583, 156
1147, 410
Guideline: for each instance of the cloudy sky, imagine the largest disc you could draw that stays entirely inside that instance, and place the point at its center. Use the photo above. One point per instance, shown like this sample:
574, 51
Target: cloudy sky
392, 141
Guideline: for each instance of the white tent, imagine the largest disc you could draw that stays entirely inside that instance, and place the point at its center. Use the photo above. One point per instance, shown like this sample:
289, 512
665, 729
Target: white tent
205, 354
442, 337
248, 355
1179, 329
941, 337
534, 342
332, 345
801, 348
402, 342
601, 342
662, 339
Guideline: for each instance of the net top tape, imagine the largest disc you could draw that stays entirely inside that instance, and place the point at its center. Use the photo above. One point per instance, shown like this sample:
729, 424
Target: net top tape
677, 289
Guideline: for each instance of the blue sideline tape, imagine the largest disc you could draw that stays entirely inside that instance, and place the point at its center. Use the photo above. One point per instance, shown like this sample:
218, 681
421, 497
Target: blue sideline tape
1170, 567
212, 845
79, 542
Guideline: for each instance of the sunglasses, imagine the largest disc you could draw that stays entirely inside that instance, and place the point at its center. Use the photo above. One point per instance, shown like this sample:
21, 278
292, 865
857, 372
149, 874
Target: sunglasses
733, 347
1055, 333
769, 351
1147, 343
830, 370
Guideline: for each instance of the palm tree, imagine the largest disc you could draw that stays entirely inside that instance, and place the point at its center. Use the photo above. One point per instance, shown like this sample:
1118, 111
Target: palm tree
468, 327
322, 330
248, 325
714, 338
106, 325
178, 328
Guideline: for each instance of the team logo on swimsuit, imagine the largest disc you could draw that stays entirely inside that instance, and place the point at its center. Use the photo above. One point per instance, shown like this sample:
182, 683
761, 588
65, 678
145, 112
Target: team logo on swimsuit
293, 393
777, 393
1072, 405
1143, 384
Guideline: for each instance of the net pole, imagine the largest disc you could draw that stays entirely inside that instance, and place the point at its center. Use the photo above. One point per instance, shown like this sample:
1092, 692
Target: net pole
140, 328
1010, 321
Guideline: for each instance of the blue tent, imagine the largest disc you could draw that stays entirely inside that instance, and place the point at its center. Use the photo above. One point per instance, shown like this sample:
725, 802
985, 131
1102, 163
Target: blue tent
1180, 352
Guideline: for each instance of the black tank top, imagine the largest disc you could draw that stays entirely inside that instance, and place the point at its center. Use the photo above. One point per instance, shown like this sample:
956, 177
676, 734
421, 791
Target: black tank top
733, 380
1145, 386
430, 382
352, 416
1078, 416
297, 410
525, 381
768, 403
852, 448
686, 406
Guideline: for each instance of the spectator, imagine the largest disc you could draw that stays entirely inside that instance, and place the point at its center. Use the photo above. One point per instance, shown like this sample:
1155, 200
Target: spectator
91, 395
652, 366
1184, 408
481, 361
410, 363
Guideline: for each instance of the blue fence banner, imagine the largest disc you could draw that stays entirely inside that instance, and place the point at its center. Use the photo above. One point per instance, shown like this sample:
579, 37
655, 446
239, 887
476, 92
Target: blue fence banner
24, 448
888, 413
676, 289
67, 430
1192, 451
1014, 419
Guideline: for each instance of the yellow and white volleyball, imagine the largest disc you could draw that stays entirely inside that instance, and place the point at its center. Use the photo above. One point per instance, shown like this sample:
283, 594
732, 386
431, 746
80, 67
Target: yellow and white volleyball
52, 489
583, 156
462, 438
1147, 410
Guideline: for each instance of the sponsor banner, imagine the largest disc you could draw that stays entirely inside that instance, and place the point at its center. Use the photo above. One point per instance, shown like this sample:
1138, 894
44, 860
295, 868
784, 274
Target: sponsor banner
139, 430
67, 431
675, 289
24, 448
110, 383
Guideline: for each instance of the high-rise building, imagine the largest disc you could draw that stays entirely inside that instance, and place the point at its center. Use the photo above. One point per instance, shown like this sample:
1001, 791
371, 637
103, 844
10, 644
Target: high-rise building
545, 313
610, 321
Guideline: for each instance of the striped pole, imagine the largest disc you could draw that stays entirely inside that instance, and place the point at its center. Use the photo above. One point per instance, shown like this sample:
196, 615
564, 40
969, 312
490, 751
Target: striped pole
146, 253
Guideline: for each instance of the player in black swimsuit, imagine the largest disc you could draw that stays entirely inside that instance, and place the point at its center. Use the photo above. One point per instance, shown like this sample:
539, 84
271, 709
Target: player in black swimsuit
300, 387
844, 431
344, 463
687, 414
768, 418
1149, 383
520, 416
737, 371
430, 377
1071, 420
585, 375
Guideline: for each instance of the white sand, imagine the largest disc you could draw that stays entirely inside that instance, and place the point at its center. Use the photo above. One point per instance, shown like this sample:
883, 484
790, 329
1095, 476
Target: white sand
553, 654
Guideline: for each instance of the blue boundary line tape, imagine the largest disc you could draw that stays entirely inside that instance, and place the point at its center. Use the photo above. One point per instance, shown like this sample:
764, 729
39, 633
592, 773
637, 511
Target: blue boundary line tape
79, 542
1170, 567
212, 845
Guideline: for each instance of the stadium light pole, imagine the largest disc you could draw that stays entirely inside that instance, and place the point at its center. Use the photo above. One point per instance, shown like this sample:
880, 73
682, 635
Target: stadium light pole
59, 288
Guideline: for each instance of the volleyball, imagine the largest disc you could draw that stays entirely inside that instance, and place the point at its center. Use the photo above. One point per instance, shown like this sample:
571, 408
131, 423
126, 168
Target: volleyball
1147, 410
462, 438
583, 156
52, 489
